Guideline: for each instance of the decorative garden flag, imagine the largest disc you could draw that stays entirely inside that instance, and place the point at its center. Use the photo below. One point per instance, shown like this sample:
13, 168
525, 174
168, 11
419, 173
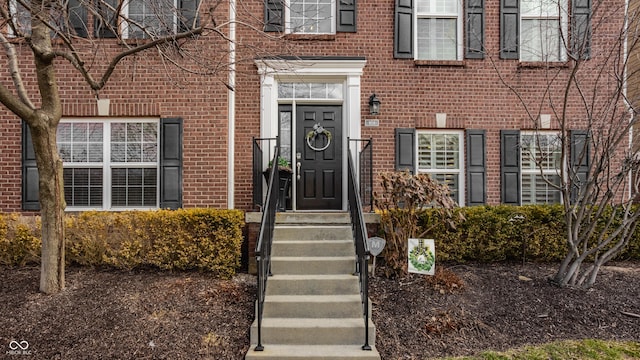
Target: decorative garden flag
422, 256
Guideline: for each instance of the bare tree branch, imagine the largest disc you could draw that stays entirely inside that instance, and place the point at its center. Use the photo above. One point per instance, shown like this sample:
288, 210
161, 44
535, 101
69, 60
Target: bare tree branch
12, 58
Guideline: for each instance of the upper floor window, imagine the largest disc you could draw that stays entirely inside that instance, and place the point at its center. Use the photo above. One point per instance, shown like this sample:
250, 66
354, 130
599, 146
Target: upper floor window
541, 28
311, 16
538, 30
438, 30
133, 19
21, 16
149, 18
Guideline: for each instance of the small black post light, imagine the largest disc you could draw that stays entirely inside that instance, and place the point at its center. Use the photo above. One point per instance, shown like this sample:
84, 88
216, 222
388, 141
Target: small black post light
374, 104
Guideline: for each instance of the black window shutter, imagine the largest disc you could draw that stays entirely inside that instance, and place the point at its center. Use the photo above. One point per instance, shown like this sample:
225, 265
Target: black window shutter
580, 159
273, 15
476, 167
405, 149
171, 163
581, 28
78, 18
509, 29
510, 166
347, 13
403, 33
189, 15
106, 22
30, 178
474, 45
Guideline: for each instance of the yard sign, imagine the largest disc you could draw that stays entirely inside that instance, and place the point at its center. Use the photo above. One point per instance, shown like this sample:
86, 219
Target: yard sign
421, 256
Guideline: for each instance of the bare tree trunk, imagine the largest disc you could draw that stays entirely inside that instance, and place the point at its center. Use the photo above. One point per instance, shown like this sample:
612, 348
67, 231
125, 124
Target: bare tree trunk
44, 124
52, 207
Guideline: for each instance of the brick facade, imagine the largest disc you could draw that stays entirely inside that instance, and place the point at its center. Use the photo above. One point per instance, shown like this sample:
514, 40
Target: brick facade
471, 92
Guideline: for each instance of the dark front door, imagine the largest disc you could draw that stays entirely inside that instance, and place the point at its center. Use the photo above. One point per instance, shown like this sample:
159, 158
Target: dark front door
319, 154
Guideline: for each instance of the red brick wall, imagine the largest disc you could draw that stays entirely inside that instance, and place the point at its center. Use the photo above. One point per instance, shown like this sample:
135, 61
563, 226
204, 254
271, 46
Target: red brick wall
141, 86
469, 92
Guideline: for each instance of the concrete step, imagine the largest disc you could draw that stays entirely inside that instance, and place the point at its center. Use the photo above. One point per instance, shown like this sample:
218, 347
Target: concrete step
313, 248
312, 232
312, 285
303, 331
321, 218
313, 306
299, 265
313, 352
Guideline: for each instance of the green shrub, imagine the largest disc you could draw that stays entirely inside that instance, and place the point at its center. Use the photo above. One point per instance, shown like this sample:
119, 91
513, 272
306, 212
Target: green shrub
504, 233
187, 239
19, 240
86, 237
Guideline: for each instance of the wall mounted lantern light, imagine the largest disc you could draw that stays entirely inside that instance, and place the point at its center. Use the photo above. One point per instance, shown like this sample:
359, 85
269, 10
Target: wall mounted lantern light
374, 104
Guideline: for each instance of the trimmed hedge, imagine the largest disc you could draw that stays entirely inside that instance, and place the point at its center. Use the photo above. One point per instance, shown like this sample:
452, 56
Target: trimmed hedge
185, 239
19, 239
505, 233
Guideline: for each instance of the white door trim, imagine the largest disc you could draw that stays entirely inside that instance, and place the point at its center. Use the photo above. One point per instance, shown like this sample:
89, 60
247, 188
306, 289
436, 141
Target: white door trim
348, 70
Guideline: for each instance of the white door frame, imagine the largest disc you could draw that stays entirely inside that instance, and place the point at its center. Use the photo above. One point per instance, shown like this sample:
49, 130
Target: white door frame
347, 70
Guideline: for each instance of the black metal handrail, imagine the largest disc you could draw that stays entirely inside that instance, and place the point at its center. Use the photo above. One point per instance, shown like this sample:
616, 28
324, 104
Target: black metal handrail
265, 239
258, 167
362, 248
365, 164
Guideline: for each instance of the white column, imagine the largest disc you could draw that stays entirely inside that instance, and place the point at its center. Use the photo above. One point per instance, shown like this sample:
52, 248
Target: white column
231, 136
353, 131
268, 107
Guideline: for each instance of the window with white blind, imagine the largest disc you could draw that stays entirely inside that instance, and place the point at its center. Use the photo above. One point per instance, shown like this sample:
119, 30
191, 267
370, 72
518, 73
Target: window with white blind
541, 26
110, 164
439, 29
440, 154
541, 158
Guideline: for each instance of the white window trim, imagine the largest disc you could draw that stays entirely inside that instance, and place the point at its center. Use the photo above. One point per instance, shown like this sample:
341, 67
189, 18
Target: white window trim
106, 164
563, 31
461, 158
289, 29
124, 24
459, 30
537, 170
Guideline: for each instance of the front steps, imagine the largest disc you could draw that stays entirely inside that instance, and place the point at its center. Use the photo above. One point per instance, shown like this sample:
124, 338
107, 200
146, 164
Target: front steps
312, 308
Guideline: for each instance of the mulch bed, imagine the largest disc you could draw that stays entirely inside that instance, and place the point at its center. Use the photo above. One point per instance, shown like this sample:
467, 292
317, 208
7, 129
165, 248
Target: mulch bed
158, 315
498, 307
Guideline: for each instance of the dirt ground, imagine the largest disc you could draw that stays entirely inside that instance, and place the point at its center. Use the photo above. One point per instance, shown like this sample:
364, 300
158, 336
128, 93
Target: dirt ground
106, 314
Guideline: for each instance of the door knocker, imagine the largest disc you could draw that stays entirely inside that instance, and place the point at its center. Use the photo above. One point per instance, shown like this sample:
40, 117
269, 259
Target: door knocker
313, 134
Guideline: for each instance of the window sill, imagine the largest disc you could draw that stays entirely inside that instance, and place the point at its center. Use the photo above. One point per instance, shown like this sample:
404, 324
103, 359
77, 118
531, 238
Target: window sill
451, 63
542, 64
310, 37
